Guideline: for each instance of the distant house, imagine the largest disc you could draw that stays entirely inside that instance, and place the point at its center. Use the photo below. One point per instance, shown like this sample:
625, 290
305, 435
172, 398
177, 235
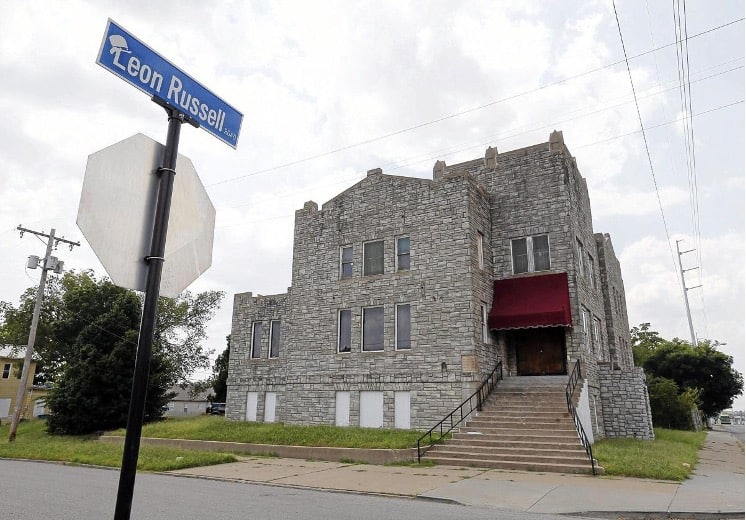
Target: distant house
11, 364
187, 402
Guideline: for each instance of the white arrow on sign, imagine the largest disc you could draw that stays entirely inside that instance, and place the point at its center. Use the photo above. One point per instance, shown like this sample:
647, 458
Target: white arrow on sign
117, 208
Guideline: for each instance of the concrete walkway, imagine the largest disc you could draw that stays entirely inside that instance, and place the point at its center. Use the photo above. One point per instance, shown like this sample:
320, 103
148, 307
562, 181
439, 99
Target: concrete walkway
716, 486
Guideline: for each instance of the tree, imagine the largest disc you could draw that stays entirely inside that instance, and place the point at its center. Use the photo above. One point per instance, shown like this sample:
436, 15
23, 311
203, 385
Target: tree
703, 368
100, 325
89, 339
220, 373
16, 322
644, 343
704, 376
180, 328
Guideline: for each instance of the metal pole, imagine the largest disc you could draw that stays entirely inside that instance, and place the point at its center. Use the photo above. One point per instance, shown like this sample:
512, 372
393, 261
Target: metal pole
147, 325
21, 396
686, 297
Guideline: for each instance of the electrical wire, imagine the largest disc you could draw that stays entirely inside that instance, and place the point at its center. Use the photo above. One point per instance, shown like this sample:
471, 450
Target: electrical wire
463, 112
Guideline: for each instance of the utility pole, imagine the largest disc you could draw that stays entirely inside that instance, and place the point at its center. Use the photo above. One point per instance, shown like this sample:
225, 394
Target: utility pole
49, 263
686, 297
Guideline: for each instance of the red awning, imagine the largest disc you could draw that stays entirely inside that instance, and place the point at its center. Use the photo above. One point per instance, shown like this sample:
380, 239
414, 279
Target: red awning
531, 301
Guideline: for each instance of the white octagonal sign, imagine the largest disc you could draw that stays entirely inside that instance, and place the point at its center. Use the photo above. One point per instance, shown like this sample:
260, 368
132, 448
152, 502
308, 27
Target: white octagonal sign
117, 211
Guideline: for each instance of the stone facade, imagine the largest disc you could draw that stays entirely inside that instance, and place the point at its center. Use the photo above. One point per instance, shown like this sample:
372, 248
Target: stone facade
437, 247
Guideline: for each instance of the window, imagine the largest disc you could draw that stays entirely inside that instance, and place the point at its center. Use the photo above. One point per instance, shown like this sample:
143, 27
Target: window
373, 258
402, 254
403, 327
485, 331
480, 249
6, 371
591, 272
579, 247
372, 329
344, 340
540, 248
274, 338
256, 339
345, 262
342, 409
402, 410
586, 328
596, 335
371, 409
252, 398
530, 254
270, 405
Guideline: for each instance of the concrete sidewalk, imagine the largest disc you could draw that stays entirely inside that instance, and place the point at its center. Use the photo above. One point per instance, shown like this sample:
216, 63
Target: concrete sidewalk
716, 487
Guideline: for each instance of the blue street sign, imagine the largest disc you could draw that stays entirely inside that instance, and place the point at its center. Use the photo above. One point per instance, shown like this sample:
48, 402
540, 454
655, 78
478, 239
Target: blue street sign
140, 66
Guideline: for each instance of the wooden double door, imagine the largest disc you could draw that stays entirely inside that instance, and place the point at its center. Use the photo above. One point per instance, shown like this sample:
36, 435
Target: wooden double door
540, 352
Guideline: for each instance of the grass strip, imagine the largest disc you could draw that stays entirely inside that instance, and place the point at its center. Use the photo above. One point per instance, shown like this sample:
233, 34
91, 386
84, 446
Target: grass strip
216, 428
671, 456
33, 442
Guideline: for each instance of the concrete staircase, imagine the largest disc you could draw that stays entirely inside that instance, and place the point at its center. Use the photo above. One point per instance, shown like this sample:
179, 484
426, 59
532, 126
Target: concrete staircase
524, 425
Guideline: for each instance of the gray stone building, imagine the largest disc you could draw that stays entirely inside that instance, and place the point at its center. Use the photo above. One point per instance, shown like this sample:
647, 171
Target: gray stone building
406, 292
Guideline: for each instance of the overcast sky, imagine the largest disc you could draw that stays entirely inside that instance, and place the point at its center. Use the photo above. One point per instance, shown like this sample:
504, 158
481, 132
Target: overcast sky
330, 90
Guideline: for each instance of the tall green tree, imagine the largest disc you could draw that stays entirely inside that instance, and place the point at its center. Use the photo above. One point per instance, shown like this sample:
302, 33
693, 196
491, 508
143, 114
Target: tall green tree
88, 341
220, 373
702, 374
100, 324
702, 368
180, 329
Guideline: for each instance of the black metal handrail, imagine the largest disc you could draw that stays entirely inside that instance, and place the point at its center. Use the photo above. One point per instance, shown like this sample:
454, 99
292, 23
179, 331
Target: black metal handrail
458, 414
569, 392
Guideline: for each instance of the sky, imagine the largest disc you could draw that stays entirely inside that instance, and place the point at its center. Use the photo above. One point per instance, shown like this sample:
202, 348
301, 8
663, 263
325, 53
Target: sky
332, 89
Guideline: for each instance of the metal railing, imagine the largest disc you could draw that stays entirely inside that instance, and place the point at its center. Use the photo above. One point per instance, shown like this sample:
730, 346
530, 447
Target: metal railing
462, 411
572, 383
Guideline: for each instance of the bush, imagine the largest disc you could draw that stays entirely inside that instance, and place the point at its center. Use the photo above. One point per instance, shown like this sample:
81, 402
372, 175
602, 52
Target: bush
669, 409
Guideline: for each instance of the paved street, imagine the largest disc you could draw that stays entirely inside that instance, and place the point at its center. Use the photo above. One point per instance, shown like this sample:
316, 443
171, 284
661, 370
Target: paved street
42, 491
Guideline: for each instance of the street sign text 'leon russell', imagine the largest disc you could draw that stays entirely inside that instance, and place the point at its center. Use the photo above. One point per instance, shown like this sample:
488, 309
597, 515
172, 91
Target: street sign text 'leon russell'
140, 66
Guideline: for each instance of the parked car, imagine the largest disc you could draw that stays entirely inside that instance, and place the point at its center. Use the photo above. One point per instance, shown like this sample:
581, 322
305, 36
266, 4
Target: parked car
216, 409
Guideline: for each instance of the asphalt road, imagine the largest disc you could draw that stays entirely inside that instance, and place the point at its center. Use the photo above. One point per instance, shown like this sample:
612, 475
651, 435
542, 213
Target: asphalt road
42, 491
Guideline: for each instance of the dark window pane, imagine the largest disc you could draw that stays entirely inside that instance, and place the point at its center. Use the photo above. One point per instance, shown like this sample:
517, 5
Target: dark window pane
403, 327
541, 252
274, 339
347, 262
373, 328
256, 340
373, 258
520, 256
402, 253
345, 331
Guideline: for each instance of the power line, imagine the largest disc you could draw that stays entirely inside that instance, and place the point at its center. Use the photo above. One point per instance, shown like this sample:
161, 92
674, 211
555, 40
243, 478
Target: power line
467, 111
644, 136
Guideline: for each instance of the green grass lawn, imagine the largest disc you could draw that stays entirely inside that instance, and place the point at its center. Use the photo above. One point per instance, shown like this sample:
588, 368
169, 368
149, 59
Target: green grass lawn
671, 456
33, 442
216, 428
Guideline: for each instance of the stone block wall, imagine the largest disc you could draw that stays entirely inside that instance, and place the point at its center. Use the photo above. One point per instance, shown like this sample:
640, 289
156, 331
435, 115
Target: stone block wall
625, 403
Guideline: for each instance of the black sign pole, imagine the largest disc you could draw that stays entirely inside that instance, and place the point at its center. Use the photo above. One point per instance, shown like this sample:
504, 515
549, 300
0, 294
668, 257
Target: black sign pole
147, 325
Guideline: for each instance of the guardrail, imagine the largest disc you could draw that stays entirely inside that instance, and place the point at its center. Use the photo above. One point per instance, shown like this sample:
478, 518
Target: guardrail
462, 411
572, 383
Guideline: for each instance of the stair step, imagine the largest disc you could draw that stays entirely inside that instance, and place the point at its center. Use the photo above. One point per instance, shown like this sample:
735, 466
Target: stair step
466, 455
500, 444
537, 436
576, 452
514, 465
